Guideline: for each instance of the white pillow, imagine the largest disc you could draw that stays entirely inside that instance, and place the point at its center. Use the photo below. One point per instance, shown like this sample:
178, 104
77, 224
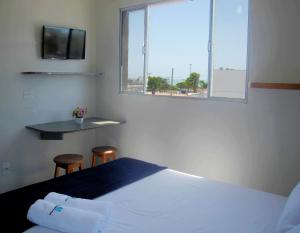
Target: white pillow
290, 217
295, 230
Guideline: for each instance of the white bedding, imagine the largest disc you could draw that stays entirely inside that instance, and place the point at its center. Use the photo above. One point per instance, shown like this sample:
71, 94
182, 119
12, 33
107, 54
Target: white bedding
173, 202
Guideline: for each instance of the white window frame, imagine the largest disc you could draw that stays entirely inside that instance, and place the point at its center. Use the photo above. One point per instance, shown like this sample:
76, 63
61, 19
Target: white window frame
210, 48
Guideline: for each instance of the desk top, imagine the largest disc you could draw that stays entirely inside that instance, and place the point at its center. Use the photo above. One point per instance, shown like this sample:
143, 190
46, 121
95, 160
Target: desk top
61, 127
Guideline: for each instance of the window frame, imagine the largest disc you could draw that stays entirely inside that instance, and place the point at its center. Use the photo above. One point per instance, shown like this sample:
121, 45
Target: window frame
210, 50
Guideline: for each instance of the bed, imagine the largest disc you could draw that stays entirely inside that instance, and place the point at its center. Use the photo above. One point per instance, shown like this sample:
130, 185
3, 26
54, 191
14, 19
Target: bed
148, 198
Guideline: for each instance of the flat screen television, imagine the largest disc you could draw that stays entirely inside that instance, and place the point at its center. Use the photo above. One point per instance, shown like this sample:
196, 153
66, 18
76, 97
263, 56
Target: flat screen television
77, 44
55, 42
63, 43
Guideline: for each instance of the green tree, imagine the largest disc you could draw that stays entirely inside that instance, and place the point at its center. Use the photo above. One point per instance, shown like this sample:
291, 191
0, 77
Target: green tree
182, 85
163, 84
157, 84
192, 82
203, 84
174, 88
153, 84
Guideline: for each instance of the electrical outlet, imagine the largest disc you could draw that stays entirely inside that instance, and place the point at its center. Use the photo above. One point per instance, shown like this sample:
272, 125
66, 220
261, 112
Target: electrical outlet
5, 168
28, 94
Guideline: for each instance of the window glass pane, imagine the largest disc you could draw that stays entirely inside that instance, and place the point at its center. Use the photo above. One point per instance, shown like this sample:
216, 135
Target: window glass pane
178, 34
230, 49
133, 29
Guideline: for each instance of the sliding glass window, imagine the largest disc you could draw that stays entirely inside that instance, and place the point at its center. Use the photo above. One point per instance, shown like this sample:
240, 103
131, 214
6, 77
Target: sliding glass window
229, 57
133, 41
186, 48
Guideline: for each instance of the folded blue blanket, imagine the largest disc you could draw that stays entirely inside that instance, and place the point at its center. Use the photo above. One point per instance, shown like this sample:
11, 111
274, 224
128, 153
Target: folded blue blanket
89, 183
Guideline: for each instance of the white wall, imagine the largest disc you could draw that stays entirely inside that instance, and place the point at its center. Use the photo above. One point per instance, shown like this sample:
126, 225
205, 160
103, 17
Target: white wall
254, 144
277, 53
37, 99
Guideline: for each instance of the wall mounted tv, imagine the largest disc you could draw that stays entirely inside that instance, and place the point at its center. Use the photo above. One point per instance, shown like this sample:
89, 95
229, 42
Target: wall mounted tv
63, 43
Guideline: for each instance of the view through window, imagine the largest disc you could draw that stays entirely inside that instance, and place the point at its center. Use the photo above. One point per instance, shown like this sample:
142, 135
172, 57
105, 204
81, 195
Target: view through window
230, 49
185, 48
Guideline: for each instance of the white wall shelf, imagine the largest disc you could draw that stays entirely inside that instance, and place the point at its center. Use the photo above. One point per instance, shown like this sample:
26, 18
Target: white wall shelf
99, 75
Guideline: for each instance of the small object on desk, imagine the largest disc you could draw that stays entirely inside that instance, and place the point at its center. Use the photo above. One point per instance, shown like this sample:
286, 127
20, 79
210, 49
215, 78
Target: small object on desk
105, 153
79, 113
79, 120
68, 162
55, 130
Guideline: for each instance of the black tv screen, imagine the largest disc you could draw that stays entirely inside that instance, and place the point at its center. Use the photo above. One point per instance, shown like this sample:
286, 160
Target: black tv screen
63, 43
77, 44
55, 42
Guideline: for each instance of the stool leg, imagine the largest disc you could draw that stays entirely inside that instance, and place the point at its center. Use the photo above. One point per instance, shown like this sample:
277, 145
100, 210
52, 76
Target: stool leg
103, 158
81, 166
69, 170
94, 160
56, 173
113, 156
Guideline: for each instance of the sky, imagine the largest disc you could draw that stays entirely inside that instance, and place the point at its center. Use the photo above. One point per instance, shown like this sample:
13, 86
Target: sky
178, 35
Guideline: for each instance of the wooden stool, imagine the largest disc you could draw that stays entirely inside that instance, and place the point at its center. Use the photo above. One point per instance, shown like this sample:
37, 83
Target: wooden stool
68, 162
105, 153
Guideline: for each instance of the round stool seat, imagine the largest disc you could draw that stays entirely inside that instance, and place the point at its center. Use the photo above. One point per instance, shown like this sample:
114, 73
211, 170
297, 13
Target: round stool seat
105, 153
104, 149
68, 159
68, 162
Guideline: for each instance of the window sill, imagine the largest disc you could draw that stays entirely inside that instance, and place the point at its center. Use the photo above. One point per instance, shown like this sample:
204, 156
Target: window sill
224, 99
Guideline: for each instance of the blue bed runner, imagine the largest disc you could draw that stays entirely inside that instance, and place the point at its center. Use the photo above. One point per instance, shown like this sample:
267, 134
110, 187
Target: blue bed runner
89, 183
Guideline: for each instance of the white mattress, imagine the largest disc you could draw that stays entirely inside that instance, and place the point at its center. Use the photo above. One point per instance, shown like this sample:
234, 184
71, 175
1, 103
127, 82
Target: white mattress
173, 202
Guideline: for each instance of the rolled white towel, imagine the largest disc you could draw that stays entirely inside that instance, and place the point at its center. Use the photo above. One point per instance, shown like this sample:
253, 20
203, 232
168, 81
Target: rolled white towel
84, 204
65, 219
57, 198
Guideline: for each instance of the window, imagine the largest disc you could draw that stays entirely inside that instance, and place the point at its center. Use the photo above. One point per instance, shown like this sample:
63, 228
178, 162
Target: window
185, 48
